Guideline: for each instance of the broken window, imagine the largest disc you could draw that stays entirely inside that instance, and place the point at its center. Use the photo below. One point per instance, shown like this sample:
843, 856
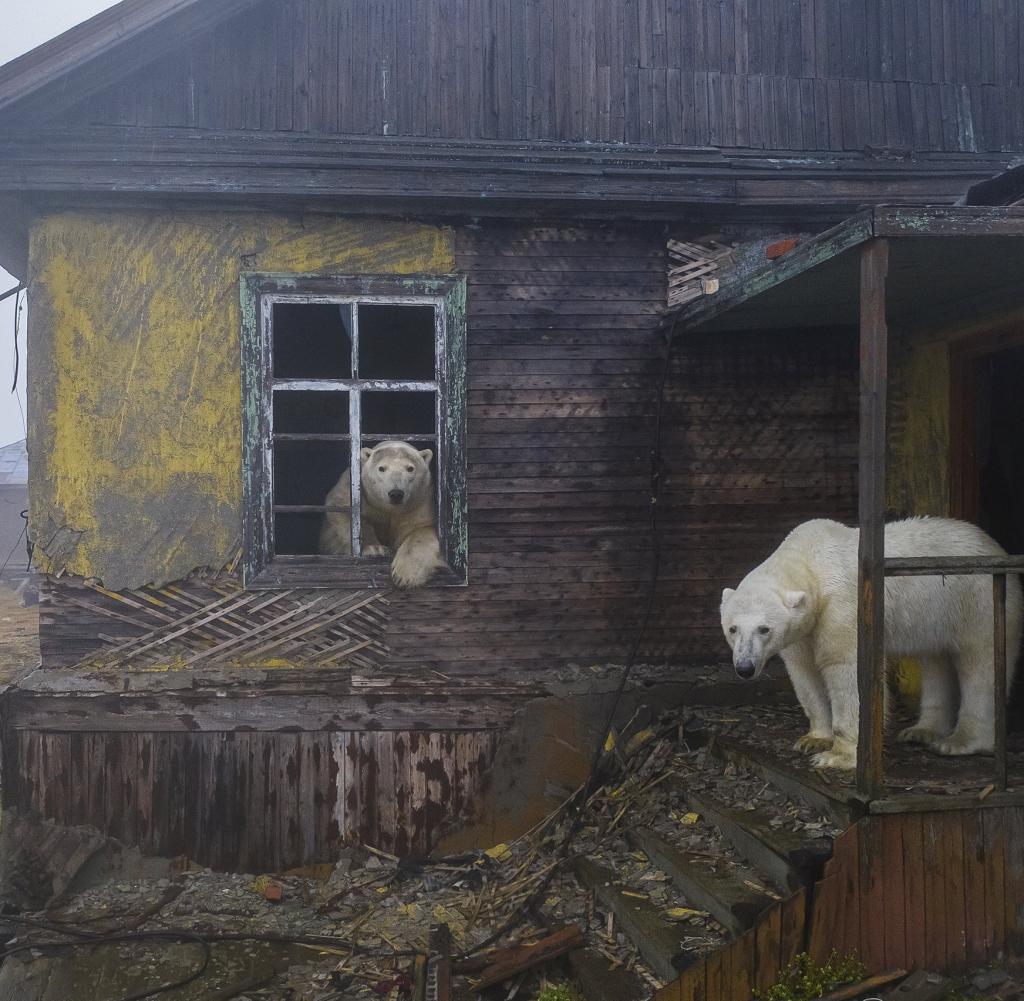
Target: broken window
331, 367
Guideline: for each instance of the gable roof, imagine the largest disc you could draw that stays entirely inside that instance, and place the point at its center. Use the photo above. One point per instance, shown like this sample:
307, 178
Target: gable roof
101, 51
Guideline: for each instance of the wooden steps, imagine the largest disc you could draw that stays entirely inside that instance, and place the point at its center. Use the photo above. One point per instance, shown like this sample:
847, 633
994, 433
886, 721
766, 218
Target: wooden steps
788, 860
729, 899
840, 807
655, 938
747, 854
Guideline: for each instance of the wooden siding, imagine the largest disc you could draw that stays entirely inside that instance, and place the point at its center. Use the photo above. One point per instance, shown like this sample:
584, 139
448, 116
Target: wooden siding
253, 801
932, 891
564, 358
770, 74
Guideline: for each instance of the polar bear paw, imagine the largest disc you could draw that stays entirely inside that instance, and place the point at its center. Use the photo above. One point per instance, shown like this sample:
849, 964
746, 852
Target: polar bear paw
375, 550
841, 756
410, 572
954, 745
919, 734
811, 743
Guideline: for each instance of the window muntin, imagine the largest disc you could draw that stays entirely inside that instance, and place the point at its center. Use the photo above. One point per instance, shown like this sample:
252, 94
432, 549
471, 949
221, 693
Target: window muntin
392, 368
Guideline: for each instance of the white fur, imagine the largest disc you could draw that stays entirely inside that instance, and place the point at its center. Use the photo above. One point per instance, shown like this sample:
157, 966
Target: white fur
406, 527
805, 596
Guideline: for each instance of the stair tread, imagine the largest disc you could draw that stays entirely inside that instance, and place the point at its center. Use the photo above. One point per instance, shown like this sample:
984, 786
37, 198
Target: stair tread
788, 859
726, 896
657, 940
840, 806
597, 981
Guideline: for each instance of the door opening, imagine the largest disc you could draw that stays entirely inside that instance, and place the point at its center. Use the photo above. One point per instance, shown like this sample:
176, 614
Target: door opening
987, 430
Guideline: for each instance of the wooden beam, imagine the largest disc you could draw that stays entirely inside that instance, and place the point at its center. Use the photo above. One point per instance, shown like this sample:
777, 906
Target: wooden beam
822, 248
953, 220
871, 554
489, 175
949, 566
999, 676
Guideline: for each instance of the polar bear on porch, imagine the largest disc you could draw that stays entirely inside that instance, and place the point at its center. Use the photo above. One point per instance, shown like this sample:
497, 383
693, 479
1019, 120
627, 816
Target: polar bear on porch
397, 513
801, 604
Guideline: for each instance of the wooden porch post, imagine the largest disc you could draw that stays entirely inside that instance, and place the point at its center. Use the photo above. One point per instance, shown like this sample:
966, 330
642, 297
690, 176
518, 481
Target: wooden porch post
874, 265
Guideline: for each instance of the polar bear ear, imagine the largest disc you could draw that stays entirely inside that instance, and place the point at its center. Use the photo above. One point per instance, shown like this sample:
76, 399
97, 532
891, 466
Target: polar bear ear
795, 599
727, 593
426, 455
365, 453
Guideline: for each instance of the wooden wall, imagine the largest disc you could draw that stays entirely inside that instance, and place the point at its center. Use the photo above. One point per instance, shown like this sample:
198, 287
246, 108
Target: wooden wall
933, 891
774, 74
249, 801
758, 435
565, 357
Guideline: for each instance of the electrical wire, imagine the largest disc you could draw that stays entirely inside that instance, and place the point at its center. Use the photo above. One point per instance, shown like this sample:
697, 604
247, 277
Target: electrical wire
578, 806
580, 802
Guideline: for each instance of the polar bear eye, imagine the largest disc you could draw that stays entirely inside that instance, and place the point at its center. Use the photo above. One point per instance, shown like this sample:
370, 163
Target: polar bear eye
763, 630
409, 469
732, 630
381, 469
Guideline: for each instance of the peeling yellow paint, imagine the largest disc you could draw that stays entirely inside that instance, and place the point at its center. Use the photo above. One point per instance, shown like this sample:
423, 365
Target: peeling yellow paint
918, 467
135, 405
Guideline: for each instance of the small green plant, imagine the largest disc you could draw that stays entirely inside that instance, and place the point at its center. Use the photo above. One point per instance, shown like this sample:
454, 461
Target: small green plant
556, 992
806, 980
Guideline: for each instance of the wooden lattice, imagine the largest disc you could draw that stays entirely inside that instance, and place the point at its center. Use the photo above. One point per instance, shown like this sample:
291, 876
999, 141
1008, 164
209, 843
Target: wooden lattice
690, 272
213, 621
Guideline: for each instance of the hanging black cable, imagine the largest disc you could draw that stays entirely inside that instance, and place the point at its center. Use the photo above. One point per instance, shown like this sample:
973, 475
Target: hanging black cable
17, 315
579, 803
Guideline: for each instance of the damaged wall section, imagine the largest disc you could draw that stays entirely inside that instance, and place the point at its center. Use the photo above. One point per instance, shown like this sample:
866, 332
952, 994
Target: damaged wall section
134, 404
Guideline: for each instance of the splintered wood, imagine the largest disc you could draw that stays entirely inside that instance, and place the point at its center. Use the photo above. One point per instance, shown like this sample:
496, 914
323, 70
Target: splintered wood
690, 274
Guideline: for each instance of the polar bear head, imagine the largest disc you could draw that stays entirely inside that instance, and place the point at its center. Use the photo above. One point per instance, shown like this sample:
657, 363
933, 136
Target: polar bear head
759, 621
395, 475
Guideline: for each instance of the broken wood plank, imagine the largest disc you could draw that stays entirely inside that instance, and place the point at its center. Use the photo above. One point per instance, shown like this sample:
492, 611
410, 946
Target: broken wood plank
657, 940
851, 991
727, 897
441, 973
519, 958
787, 859
840, 807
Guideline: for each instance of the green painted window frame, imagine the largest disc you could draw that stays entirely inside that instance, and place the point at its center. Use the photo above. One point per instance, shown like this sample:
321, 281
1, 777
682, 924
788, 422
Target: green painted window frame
261, 568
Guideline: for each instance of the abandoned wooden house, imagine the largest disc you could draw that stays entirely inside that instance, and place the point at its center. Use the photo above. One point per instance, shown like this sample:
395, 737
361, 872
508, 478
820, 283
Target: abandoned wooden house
533, 238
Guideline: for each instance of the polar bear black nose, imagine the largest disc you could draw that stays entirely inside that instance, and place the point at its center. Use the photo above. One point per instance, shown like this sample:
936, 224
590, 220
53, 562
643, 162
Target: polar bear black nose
745, 669
396, 496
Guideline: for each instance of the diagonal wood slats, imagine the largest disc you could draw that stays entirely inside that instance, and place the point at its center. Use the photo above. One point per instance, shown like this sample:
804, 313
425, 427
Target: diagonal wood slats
212, 621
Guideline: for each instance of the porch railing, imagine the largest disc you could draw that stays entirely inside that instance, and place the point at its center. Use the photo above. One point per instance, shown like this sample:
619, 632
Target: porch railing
997, 567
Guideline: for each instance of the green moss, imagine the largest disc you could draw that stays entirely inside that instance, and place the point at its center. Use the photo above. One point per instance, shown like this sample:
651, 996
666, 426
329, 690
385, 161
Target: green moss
557, 992
806, 980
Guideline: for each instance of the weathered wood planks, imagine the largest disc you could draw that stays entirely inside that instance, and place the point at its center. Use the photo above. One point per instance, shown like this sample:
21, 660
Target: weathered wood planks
235, 800
803, 76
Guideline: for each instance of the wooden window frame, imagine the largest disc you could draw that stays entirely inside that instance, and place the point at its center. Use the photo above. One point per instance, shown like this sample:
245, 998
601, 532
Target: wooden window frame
262, 569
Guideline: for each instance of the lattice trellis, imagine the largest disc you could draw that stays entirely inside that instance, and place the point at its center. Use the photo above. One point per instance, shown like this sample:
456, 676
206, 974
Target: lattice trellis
212, 621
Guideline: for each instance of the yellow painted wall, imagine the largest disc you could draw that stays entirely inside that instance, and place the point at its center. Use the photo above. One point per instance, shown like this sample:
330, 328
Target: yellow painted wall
134, 361
919, 447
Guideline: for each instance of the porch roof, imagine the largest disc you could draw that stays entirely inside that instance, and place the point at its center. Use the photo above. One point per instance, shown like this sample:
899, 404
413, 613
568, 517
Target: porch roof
944, 263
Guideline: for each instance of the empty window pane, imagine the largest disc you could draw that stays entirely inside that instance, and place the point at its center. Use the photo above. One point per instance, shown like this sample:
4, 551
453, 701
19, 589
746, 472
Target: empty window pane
396, 342
310, 412
312, 341
305, 471
297, 534
397, 414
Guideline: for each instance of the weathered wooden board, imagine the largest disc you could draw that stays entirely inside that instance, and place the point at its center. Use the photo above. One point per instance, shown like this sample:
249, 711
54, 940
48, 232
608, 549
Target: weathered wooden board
693, 73
235, 800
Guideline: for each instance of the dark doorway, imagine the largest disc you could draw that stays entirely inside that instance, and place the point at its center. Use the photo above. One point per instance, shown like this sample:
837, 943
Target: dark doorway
988, 449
